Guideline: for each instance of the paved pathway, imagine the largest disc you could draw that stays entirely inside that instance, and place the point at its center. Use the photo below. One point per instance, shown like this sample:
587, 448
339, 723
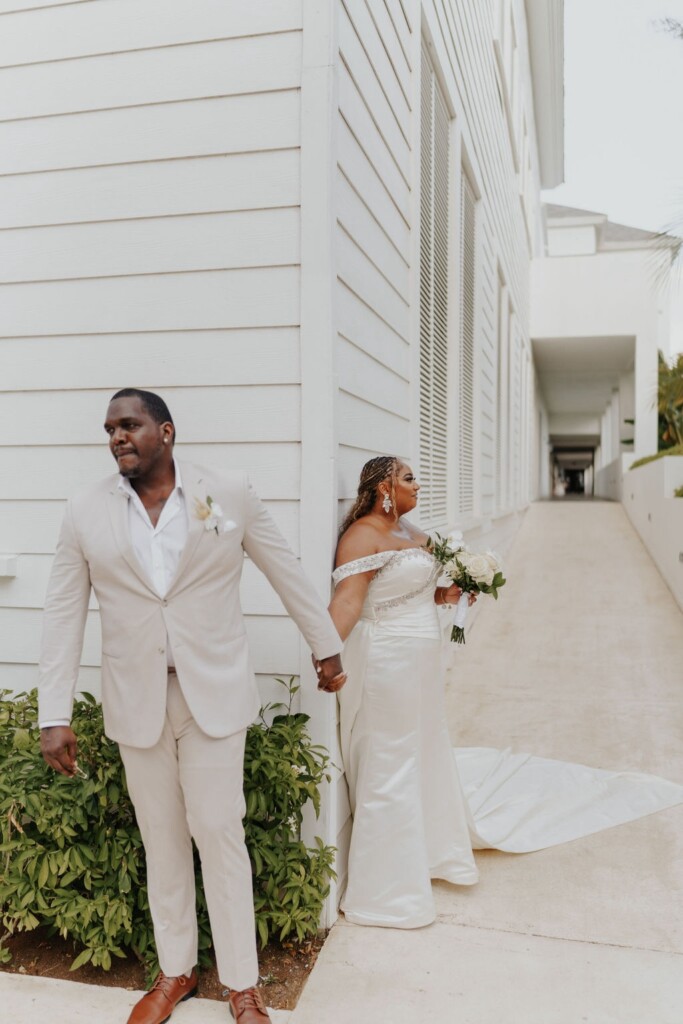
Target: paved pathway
581, 659
27, 1000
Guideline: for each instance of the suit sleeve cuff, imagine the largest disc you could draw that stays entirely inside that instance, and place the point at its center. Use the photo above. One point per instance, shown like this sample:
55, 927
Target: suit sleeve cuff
53, 722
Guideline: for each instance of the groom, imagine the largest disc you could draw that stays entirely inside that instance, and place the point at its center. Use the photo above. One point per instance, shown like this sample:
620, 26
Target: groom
162, 544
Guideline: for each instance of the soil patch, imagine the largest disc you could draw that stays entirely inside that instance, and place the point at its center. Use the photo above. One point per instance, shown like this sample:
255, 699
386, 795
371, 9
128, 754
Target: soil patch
283, 969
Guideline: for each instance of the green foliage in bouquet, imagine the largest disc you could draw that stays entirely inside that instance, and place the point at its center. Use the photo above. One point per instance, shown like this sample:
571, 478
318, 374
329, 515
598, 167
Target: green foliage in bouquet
71, 856
473, 573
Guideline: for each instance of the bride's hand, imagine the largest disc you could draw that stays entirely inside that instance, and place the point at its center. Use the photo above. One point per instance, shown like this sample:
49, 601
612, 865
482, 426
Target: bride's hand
331, 676
453, 594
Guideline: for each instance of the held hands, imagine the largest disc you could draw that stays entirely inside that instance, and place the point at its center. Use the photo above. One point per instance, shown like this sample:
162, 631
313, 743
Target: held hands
59, 747
331, 676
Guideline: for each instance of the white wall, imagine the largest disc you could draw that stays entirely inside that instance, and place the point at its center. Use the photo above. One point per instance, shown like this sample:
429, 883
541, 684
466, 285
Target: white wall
578, 241
375, 180
608, 295
608, 480
149, 196
647, 496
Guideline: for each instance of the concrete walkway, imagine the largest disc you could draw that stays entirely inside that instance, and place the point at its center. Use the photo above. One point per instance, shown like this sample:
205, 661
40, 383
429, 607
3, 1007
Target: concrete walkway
28, 1000
581, 659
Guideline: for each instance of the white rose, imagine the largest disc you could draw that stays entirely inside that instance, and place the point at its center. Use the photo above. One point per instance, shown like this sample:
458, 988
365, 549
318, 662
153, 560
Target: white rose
480, 569
493, 560
201, 509
211, 523
216, 510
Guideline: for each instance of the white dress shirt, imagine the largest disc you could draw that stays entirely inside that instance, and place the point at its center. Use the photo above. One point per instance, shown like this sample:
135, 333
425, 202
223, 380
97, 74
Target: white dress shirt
157, 548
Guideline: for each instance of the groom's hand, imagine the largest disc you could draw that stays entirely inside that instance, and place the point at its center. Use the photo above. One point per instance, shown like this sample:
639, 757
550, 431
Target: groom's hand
331, 676
59, 746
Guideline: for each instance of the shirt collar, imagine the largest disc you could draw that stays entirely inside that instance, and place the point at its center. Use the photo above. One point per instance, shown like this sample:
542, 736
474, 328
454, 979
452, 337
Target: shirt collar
124, 485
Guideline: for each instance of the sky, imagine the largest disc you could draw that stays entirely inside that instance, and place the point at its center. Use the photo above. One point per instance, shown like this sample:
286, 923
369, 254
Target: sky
624, 112
624, 120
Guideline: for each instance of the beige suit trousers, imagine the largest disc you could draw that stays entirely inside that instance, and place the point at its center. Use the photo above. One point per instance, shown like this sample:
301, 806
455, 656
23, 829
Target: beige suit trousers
189, 785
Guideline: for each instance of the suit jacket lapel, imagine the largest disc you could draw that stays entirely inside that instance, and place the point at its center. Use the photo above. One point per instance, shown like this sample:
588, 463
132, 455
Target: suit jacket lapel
193, 489
118, 513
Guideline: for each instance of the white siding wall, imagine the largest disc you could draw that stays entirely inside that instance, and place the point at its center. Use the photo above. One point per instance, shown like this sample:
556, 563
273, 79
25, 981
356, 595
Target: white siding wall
149, 207
374, 208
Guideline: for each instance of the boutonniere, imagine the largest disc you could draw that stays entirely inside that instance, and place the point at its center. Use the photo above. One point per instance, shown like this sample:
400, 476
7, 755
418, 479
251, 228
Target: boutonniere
211, 514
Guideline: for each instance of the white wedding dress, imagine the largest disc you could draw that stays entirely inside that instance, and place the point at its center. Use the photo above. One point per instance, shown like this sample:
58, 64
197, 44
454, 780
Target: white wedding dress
419, 807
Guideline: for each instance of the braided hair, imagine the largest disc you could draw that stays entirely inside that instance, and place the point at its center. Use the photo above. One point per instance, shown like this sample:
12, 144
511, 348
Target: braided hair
372, 475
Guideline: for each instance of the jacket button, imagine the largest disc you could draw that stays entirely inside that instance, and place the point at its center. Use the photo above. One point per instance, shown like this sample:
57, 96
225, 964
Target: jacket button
162, 650
165, 603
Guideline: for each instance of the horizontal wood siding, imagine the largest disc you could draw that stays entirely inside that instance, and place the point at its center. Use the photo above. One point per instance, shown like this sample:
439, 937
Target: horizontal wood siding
374, 209
149, 236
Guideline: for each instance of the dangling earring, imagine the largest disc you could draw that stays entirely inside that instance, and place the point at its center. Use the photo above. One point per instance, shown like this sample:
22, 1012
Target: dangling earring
387, 504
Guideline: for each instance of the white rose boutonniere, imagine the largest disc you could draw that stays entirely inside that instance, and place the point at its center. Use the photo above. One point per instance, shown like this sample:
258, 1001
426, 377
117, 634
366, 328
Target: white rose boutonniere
211, 514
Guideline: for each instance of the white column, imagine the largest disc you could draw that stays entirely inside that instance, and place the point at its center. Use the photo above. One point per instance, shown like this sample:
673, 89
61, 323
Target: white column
615, 427
645, 433
318, 382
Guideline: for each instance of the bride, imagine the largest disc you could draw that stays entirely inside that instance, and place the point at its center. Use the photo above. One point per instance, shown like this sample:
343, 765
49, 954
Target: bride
411, 820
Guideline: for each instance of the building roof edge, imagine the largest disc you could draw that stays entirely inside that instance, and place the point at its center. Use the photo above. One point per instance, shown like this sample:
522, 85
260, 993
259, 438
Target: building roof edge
545, 21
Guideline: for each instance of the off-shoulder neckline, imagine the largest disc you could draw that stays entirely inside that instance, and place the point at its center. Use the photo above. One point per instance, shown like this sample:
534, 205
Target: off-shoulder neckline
387, 551
390, 552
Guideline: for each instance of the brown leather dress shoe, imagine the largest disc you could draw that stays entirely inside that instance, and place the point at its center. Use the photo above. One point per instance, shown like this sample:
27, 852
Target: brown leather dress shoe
247, 1007
157, 1005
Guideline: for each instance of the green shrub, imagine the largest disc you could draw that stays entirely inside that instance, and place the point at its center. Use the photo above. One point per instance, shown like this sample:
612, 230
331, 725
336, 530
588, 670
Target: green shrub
71, 855
678, 493
677, 450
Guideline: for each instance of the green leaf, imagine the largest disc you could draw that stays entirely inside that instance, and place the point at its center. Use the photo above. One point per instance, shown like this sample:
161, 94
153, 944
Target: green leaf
82, 958
44, 872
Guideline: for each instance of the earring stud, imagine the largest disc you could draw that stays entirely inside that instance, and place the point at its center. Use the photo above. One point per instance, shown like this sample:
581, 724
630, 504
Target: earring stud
387, 504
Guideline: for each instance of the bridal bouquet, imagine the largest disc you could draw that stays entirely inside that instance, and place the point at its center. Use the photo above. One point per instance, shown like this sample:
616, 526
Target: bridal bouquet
474, 573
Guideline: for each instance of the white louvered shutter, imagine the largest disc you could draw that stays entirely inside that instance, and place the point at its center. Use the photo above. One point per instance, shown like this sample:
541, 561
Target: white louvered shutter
502, 396
466, 354
434, 199
515, 413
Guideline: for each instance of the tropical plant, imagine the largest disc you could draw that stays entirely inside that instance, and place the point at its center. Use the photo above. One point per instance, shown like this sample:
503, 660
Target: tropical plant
71, 856
664, 453
670, 400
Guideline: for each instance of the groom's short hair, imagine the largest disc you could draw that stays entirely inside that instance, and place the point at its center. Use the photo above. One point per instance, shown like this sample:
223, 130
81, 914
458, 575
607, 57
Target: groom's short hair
154, 405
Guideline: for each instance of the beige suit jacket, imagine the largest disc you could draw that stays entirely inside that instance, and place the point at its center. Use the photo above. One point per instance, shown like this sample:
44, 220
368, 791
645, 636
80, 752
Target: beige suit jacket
200, 614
